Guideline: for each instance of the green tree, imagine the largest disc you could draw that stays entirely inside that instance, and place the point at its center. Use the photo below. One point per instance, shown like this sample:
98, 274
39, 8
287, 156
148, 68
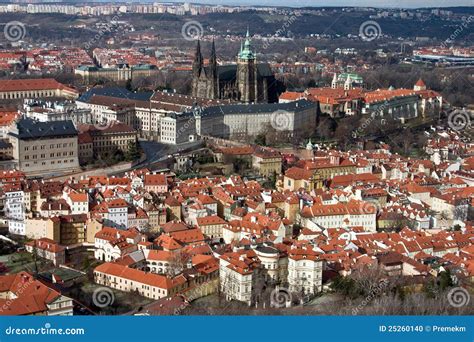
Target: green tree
261, 139
445, 280
132, 153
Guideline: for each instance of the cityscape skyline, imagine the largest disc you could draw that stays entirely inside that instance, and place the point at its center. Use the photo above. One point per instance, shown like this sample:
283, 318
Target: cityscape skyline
338, 3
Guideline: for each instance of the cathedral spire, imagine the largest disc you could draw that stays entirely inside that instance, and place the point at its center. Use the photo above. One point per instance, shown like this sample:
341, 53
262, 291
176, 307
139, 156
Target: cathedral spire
198, 60
213, 59
213, 53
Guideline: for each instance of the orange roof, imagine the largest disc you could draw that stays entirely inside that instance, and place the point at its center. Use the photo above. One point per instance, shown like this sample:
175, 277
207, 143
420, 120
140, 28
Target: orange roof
78, 197
31, 296
32, 84
147, 278
420, 83
7, 117
210, 220
380, 95
158, 179
298, 173
291, 96
47, 245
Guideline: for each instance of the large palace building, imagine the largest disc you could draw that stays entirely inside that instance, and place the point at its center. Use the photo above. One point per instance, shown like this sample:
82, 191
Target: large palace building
247, 81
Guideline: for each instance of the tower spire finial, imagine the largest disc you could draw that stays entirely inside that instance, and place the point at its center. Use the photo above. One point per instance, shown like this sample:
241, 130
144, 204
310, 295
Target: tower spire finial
198, 60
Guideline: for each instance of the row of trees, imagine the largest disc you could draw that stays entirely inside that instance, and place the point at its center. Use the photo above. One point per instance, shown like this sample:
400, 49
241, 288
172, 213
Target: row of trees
370, 292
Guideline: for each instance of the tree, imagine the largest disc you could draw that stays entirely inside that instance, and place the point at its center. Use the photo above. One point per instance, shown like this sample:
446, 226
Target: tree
445, 280
176, 264
260, 139
132, 153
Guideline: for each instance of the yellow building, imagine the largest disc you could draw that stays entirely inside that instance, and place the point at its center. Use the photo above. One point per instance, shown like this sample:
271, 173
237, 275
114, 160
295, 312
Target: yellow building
266, 162
37, 228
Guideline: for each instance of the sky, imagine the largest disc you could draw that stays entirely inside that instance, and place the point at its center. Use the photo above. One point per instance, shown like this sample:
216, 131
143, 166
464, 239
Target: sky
366, 3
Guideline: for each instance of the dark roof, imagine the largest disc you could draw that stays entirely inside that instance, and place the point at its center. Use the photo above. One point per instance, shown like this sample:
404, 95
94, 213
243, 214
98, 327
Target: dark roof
183, 100
5, 144
119, 92
258, 108
112, 127
32, 129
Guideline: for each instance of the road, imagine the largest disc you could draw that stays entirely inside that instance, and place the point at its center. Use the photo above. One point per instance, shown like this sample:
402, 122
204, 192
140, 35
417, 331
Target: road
155, 152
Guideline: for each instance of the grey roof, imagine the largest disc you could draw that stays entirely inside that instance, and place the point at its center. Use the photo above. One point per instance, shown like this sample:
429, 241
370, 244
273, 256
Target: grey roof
258, 108
5, 144
32, 129
119, 92
184, 115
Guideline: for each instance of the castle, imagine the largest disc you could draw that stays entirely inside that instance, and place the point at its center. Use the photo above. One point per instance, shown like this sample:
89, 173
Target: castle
246, 82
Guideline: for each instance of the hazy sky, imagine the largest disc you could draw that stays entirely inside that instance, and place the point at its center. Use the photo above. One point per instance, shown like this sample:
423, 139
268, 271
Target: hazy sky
372, 3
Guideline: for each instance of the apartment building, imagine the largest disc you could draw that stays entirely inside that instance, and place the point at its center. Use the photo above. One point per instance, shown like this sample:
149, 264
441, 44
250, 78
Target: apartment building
45, 147
305, 269
238, 274
114, 136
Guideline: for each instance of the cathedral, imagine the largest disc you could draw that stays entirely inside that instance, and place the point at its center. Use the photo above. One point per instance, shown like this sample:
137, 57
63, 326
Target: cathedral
246, 82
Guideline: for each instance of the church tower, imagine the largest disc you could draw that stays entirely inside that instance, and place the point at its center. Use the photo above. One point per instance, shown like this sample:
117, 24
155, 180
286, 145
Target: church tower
247, 72
197, 69
213, 74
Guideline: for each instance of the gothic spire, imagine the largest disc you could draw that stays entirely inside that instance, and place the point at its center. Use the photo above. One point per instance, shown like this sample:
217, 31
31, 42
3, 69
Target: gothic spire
213, 59
198, 60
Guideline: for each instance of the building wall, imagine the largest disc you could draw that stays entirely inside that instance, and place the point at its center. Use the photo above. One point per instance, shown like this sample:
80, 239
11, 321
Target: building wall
24, 94
305, 275
37, 156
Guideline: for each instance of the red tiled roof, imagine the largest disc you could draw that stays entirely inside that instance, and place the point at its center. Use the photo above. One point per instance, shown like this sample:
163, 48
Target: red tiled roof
32, 84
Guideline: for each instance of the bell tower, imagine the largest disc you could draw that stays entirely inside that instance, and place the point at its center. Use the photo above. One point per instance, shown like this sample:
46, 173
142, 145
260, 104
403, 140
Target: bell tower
247, 72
